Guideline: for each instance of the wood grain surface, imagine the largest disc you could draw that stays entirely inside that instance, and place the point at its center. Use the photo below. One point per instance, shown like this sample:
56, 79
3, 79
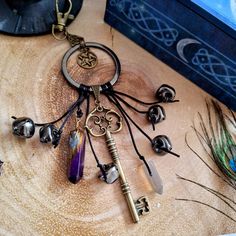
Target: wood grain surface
35, 196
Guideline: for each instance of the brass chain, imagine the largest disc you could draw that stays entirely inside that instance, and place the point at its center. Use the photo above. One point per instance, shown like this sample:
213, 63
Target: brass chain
85, 59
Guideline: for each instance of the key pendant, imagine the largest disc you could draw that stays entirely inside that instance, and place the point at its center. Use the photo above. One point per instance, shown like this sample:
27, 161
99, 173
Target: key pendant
102, 121
123, 182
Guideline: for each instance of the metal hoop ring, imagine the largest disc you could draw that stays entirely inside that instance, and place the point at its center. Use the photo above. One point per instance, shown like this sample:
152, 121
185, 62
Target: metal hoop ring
92, 45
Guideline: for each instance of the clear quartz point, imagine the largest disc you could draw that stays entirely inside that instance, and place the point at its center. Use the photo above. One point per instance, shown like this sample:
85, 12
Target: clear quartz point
155, 180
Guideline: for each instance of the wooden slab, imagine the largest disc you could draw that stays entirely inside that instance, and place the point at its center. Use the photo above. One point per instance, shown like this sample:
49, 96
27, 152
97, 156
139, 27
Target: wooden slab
35, 195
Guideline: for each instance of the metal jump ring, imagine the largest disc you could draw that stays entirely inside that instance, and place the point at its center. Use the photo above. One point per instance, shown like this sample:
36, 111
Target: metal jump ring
92, 45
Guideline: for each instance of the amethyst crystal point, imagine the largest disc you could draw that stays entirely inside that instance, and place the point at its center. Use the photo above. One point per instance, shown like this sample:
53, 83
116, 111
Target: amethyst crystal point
77, 146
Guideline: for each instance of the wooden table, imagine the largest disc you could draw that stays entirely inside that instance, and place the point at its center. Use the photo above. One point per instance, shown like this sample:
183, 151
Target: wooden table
35, 196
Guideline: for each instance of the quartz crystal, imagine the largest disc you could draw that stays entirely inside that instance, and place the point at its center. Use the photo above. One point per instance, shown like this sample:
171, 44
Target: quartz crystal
111, 173
155, 180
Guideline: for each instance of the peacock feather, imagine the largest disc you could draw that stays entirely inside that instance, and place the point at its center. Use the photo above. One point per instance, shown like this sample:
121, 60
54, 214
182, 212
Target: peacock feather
218, 138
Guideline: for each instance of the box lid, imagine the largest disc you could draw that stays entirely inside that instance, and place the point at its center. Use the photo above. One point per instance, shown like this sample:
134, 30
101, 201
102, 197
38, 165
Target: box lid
221, 13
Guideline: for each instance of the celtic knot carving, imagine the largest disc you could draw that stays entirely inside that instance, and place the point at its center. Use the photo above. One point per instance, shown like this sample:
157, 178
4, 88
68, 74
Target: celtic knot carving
146, 21
159, 28
215, 67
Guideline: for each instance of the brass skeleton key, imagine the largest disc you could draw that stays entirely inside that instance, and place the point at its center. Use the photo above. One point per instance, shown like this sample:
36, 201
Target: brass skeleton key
123, 182
104, 122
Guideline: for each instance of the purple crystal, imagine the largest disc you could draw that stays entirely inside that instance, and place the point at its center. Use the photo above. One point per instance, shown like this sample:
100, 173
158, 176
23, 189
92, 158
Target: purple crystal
77, 145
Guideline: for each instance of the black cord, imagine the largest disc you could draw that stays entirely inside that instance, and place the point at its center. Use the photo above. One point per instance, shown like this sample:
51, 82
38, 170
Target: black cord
53, 122
128, 105
134, 123
71, 108
168, 151
141, 157
135, 99
139, 101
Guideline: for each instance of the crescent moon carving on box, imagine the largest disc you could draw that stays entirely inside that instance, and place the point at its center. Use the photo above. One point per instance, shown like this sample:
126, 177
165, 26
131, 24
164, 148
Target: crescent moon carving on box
182, 44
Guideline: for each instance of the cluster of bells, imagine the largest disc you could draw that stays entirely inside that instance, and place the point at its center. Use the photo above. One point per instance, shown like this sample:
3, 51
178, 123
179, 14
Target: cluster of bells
25, 127
156, 114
